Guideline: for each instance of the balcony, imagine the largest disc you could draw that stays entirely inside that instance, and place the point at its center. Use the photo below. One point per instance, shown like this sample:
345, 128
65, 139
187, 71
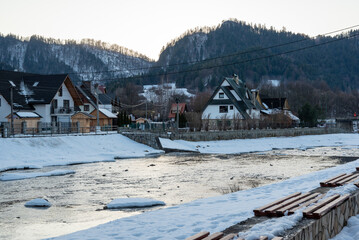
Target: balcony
62, 110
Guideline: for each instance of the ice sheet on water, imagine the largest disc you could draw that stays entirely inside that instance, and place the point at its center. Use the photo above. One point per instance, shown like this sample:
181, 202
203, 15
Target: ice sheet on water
38, 202
133, 202
20, 176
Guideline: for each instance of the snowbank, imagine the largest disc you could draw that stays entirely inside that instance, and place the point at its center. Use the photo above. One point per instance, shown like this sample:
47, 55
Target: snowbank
210, 214
133, 202
351, 231
20, 176
262, 144
37, 152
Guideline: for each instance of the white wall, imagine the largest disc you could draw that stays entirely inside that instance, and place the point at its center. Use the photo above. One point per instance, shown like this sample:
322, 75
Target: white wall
213, 112
65, 96
91, 108
5, 109
44, 111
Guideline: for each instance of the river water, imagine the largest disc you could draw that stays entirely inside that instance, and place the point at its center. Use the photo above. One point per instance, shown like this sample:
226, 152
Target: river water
78, 199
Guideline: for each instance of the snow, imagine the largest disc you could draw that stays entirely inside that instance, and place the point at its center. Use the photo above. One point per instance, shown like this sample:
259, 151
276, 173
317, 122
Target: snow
272, 227
351, 231
133, 202
20, 176
38, 202
211, 214
149, 91
65, 150
237, 146
107, 113
27, 114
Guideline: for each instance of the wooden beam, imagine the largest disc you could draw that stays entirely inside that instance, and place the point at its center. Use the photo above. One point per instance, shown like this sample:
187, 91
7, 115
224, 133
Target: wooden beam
259, 211
198, 236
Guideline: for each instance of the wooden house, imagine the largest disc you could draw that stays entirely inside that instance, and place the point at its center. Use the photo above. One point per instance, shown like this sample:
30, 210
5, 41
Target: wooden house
84, 120
106, 118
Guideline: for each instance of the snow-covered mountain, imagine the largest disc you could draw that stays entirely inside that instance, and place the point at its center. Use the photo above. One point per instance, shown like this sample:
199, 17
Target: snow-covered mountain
87, 60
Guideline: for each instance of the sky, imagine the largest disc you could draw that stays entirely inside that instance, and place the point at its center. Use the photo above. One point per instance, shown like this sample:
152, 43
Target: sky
146, 26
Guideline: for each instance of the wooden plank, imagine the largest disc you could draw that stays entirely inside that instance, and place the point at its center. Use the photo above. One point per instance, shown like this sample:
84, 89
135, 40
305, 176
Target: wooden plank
348, 179
230, 237
354, 180
291, 211
214, 236
324, 183
198, 236
333, 182
277, 238
263, 238
285, 203
322, 211
308, 211
259, 211
282, 210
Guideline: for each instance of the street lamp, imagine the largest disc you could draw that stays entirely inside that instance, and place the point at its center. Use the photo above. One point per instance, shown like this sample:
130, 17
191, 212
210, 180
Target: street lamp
177, 113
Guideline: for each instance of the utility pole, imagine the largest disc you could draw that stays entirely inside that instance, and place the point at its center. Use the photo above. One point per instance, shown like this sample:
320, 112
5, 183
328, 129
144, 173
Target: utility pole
177, 101
97, 114
12, 107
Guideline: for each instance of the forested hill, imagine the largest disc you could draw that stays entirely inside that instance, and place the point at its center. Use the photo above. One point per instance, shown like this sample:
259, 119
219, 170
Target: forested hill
49, 56
335, 63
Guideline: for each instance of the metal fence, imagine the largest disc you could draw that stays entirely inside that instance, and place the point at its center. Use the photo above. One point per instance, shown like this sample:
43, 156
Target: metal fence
52, 129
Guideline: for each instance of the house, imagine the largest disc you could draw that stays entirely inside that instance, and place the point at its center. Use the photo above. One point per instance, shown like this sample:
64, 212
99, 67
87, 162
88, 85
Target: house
182, 108
106, 118
230, 103
87, 92
25, 120
84, 120
53, 97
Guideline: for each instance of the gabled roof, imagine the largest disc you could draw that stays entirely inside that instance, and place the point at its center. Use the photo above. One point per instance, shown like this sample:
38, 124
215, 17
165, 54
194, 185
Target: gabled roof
32, 88
240, 88
182, 107
22, 115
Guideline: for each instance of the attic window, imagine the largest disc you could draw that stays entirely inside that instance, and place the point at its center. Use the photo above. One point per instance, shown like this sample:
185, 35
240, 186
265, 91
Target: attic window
60, 92
35, 84
221, 95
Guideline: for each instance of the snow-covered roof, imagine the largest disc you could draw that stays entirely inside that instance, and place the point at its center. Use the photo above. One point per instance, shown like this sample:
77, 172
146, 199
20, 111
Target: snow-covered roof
27, 115
107, 113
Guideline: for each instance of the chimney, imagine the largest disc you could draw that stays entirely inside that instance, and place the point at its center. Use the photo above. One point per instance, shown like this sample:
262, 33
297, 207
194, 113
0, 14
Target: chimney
88, 85
254, 96
235, 77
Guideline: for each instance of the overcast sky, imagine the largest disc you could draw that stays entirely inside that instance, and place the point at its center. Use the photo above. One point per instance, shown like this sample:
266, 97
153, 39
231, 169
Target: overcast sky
147, 25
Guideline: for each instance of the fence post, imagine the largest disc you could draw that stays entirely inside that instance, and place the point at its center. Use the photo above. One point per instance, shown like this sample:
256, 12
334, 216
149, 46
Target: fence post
23, 127
39, 127
78, 127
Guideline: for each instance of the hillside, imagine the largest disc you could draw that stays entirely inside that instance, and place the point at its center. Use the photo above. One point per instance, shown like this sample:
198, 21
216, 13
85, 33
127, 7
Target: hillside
46, 56
335, 63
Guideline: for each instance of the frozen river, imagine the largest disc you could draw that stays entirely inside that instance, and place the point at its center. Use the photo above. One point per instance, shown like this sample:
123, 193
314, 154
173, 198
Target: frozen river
78, 199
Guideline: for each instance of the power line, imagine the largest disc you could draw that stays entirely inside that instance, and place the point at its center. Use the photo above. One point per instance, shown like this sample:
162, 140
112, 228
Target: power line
219, 57
233, 63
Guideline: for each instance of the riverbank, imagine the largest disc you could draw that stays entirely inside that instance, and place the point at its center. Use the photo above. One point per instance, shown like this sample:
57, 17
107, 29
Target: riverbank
38, 152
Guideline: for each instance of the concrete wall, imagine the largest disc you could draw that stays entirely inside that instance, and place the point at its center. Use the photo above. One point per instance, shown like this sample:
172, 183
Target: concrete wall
330, 224
149, 138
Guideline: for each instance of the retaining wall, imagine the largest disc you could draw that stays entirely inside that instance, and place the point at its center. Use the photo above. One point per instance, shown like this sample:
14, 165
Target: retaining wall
330, 224
150, 138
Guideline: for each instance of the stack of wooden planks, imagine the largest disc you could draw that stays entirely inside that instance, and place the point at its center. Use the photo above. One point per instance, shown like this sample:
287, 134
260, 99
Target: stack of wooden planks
288, 204
340, 180
321, 208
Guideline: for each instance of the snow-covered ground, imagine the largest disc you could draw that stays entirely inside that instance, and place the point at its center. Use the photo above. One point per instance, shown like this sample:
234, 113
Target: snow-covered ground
213, 214
218, 213
263, 144
19, 153
20, 176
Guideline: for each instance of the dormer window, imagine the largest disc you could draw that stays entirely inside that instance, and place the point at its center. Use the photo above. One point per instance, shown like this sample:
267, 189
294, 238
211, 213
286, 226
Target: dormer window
60, 92
221, 95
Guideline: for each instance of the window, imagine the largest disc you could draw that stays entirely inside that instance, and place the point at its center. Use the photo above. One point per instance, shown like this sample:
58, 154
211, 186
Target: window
231, 107
60, 92
66, 103
54, 103
223, 109
86, 107
221, 95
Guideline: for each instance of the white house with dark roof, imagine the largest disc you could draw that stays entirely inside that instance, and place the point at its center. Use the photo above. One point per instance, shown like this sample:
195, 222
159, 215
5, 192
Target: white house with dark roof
53, 97
232, 100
